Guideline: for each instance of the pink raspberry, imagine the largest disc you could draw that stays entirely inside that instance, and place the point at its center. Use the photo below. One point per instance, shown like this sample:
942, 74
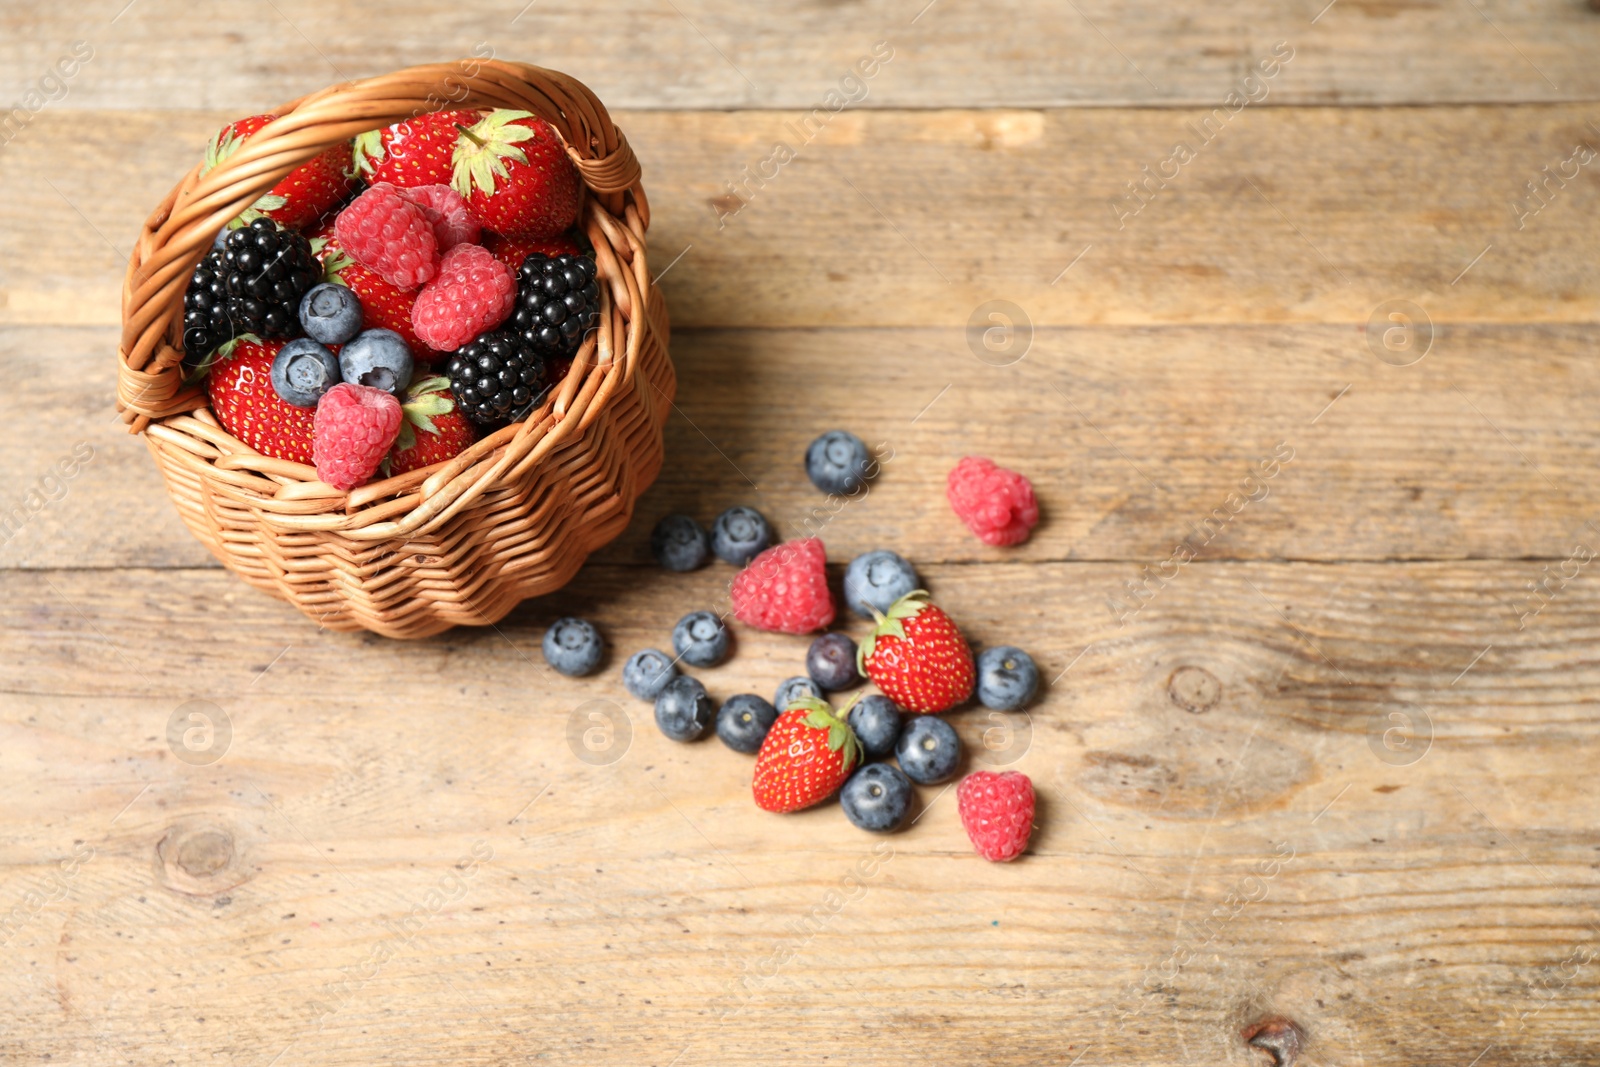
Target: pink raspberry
996, 504
473, 293
785, 589
390, 236
447, 212
351, 433
997, 813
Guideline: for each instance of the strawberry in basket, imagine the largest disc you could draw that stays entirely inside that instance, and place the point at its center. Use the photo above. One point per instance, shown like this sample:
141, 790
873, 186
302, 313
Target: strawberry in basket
309, 192
514, 172
418, 151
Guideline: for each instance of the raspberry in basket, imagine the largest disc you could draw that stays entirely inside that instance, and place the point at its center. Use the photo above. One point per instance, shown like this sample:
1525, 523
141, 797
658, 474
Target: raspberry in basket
355, 425
472, 294
996, 504
386, 233
452, 223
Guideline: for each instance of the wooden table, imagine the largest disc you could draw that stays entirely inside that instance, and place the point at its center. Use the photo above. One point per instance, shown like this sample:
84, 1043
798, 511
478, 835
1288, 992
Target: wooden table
1326, 789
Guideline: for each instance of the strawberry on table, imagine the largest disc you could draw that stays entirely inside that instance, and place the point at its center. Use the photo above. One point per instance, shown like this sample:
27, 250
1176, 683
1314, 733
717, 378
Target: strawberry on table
515, 174
435, 428
418, 151
807, 755
309, 191
239, 386
917, 656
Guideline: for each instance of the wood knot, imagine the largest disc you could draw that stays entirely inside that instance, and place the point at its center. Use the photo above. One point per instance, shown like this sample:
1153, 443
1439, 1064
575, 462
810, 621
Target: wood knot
199, 858
1194, 689
1277, 1037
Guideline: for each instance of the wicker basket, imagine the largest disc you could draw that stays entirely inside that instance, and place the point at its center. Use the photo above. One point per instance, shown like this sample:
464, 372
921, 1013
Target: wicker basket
459, 543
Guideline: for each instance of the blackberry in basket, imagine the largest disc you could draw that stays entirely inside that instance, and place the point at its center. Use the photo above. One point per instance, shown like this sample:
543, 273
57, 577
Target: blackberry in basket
268, 270
558, 302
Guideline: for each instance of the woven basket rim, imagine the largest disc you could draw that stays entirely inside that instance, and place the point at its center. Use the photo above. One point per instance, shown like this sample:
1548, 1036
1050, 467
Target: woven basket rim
615, 215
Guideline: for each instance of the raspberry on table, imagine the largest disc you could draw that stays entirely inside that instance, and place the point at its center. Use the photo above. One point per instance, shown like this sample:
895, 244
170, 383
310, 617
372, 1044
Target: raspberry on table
785, 589
472, 294
997, 504
997, 813
389, 235
354, 427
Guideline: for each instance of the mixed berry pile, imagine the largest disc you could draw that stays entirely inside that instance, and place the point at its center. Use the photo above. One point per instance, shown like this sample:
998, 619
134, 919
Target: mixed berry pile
319, 315
807, 750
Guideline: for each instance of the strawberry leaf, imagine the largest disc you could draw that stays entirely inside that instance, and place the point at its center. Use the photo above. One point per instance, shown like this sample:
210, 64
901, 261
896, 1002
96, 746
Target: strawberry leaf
405, 440
218, 355
334, 265
224, 143
366, 152
483, 148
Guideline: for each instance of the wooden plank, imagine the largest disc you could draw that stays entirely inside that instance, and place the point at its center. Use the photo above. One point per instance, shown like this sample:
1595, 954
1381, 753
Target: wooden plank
1134, 439
428, 874
918, 218
720, 54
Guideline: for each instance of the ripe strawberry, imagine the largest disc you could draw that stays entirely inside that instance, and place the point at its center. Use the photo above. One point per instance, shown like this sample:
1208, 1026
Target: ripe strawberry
513, 250
383, 306
309, 191
244, 401
435, 427
917, 656
516, 176
997, 813
785, 589
806, 757
419, 151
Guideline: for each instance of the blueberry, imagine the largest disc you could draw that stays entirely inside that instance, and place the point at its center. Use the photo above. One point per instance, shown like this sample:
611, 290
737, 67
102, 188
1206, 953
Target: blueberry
798, 686
876, 797
683, 710
379, 358
1007, 678
877, 580
743, 722
700, 639
928, 750
679, 543
831, 662
647, 673
573, 646
330, 313
302, 371
739, 535
876, 720
838, 462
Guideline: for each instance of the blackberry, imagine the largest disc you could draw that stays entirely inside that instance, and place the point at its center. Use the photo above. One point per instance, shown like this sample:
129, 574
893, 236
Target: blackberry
268, 270
558, 301
496, 376
205, 310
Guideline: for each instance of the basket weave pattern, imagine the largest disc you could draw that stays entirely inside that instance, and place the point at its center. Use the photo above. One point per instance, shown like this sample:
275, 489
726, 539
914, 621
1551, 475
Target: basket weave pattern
460, 543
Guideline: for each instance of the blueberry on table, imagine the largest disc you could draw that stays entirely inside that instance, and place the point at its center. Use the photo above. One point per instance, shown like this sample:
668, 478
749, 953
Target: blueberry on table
791, 688
700, 639
838, 462
739, 535
876, 797
929, 750
679, 543
330, 313
683, 710
743, 722
876, 580
647, 672
302, 371
1007, 678
573, 647
876, 720
377, 358
831, 662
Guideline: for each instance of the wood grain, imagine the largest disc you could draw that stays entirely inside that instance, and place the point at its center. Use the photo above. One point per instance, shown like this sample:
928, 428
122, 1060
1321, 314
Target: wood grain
721, 54
628, 912
917, 218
